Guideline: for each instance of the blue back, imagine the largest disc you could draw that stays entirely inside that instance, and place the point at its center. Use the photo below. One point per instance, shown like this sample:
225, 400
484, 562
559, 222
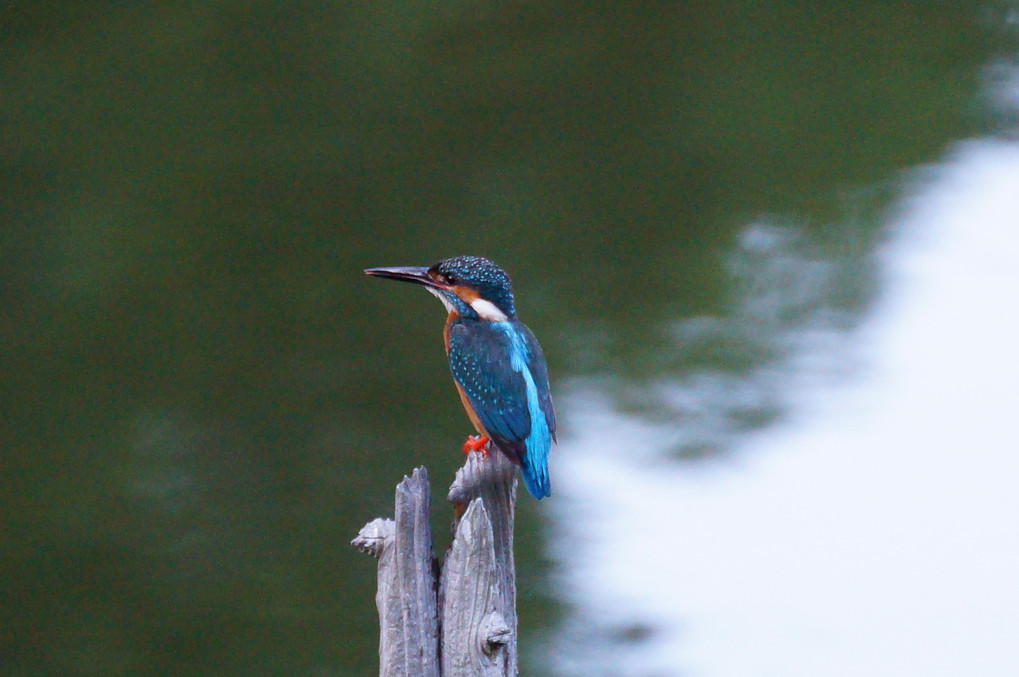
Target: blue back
502, 371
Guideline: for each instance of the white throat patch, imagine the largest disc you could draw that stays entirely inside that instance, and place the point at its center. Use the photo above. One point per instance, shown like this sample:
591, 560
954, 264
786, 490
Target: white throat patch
488, 310
437, 294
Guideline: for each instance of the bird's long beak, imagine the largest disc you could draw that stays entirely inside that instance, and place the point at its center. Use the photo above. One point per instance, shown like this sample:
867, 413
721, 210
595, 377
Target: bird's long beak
415, 274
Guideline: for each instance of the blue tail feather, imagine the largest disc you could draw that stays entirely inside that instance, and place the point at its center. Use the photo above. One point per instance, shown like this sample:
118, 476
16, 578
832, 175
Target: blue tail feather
536, 477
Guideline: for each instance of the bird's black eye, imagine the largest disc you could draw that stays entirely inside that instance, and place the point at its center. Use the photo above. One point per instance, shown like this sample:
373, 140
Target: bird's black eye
450, 278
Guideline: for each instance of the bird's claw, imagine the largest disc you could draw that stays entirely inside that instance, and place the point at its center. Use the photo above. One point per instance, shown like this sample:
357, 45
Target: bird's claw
476, 443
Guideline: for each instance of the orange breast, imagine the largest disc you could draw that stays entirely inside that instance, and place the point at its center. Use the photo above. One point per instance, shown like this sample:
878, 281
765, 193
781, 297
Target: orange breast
450, 319
470, 411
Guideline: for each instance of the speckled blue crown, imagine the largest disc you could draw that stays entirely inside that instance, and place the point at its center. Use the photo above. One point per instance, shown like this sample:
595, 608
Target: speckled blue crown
489, 280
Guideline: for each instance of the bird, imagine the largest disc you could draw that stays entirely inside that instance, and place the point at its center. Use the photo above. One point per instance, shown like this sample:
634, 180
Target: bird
497, 364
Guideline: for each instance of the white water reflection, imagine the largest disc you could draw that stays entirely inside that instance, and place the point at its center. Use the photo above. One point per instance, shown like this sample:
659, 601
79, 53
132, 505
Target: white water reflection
874, 532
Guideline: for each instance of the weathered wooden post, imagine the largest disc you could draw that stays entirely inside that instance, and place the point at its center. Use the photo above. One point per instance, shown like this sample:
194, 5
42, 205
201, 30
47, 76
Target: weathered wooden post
409, 626
467, 625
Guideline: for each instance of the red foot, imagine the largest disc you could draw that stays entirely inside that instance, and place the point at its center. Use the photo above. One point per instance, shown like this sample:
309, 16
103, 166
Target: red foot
476, 443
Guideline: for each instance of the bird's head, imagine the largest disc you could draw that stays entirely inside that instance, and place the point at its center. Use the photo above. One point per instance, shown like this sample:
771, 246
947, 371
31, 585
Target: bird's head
471, 286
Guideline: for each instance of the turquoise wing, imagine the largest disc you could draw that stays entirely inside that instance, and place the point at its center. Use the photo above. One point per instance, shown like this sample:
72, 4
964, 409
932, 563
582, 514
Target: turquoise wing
502, 371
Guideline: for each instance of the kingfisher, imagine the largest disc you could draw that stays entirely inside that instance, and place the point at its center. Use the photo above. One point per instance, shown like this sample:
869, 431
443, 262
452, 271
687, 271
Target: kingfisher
497, 364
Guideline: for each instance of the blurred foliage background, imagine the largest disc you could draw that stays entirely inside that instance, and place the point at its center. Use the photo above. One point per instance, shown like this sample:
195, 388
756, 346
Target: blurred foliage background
204, 398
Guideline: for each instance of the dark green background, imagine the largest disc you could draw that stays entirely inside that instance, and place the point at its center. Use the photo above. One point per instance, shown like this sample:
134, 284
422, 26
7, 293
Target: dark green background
204, 398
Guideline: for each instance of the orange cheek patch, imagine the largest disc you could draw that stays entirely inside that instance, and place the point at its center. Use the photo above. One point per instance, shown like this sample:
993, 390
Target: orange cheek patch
466, 293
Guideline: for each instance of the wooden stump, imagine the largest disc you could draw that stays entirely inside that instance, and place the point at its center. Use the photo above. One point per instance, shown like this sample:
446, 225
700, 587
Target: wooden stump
408, 621
472, 622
